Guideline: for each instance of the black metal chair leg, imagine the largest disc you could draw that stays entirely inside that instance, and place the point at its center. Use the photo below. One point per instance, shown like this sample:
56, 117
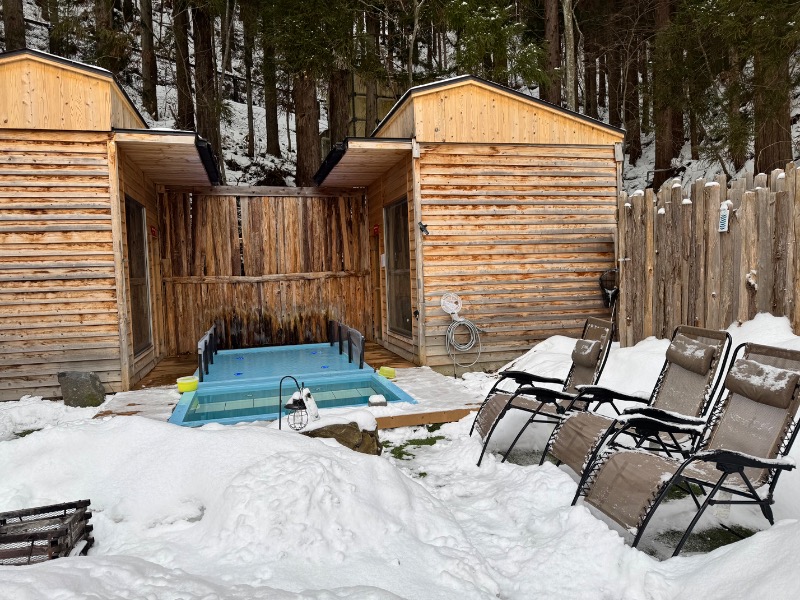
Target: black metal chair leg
699, 514
491, 431
516, 439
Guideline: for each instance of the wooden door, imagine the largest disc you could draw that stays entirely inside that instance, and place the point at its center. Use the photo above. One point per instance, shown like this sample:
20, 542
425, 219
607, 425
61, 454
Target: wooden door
141, 326
398, 268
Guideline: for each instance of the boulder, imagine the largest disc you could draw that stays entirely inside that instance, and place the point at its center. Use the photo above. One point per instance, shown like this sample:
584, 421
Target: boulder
350, 436
81, 389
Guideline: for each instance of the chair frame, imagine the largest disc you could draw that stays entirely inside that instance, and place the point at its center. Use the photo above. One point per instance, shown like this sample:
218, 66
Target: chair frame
646, 428
545, 396
726, 461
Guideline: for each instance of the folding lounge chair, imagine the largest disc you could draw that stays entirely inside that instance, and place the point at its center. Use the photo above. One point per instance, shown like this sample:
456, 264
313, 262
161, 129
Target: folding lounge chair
546, 405
743, 448
684, 391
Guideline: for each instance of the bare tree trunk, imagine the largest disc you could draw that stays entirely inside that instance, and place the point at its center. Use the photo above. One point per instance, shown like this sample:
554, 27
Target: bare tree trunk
737, 122
614, 86
601, 81
226, 42
633, 132
306, 110
772, 111
270, 70
339, 92
647, 97
412, 42
371, 108
248, 28
14, 23
149, 71
662, 110
180, 26
590, 74
208, 102
552, 90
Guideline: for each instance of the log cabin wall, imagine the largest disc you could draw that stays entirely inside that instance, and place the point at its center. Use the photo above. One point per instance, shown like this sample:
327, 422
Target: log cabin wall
521, 233
135, 185
58, 300
299, 258
394, 185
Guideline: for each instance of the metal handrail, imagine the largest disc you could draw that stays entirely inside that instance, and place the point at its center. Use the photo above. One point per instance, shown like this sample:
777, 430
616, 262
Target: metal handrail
206, 349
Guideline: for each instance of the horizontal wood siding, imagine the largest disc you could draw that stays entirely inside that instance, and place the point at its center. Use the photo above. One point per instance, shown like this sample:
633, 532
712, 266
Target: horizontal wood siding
296, 262
58, 304
522, 234
388, 189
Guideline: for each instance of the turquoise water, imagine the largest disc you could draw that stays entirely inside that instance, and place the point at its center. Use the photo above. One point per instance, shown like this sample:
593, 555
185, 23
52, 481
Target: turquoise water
263, 403
237, 366
243, 385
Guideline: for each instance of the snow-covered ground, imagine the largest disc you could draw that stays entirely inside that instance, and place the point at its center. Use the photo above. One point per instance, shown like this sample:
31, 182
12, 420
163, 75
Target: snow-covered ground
250, 512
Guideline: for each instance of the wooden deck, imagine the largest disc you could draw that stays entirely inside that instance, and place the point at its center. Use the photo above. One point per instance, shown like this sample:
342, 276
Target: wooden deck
172, 367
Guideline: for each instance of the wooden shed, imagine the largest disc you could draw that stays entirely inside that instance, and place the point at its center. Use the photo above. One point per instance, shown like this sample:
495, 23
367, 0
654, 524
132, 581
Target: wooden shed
477, 189
80, 269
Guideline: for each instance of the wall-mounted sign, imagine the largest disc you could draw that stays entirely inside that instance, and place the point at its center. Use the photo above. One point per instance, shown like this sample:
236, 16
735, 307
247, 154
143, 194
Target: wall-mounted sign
375, 230
153, 231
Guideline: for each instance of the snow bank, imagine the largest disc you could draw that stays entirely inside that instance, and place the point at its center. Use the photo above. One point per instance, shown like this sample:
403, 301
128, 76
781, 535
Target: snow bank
244, 505
31, 413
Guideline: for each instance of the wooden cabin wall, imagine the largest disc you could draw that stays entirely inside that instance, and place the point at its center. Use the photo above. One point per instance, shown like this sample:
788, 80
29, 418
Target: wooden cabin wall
58, 303
392, 186
133, 183
478, 114
41, 94
522, 234
299, 259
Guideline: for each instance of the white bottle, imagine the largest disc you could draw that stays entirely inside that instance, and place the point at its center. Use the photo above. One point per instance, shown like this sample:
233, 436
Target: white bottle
311, 405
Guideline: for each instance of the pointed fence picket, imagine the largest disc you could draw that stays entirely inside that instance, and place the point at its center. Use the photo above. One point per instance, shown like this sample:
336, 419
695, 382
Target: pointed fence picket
676, 267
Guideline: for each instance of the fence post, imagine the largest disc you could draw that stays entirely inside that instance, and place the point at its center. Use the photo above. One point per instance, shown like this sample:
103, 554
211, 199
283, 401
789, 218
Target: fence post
712, 315
765, 214
748, 256
792, 275
623, 220
649, 265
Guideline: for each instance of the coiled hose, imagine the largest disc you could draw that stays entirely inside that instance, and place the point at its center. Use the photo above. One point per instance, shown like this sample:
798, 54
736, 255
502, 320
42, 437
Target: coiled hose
454, 346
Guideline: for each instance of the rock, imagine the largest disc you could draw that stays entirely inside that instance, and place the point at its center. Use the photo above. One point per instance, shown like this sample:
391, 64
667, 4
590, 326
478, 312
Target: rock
350, 436
81, 389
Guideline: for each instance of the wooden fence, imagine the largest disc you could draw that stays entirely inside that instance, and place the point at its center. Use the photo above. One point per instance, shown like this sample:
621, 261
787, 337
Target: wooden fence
676, 267
269, 266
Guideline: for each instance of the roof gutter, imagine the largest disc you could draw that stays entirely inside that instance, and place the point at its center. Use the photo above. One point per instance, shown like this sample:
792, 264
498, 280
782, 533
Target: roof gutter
208, 159
334, 156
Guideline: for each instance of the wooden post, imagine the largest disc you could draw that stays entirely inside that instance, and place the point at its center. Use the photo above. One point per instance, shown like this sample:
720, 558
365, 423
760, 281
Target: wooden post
661, 258
698, 297
419, 251
115, 200
676, 257
792, 255
746, 216
623, 319
712, 316
650, 260
780, 239
765, 203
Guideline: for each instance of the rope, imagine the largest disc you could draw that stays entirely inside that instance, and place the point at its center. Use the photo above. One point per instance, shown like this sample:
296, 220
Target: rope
454, 346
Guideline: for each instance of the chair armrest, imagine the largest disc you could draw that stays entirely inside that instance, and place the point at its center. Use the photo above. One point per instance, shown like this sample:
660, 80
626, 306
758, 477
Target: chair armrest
732, 458
523, 378
543, 394
602, 394
643, 422
663, 415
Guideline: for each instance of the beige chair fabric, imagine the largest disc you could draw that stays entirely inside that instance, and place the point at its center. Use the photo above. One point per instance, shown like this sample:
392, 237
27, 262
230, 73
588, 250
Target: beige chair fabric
628, 482
680, 390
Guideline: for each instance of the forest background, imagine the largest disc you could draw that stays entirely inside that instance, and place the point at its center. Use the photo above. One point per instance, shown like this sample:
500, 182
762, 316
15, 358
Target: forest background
700, 85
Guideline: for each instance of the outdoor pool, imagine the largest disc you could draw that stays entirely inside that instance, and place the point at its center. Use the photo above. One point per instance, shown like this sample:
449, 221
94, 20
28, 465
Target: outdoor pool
243, 385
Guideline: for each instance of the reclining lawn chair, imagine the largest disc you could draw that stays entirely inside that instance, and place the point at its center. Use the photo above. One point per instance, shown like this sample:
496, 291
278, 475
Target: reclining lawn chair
684, 391
546, 405
742, 448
